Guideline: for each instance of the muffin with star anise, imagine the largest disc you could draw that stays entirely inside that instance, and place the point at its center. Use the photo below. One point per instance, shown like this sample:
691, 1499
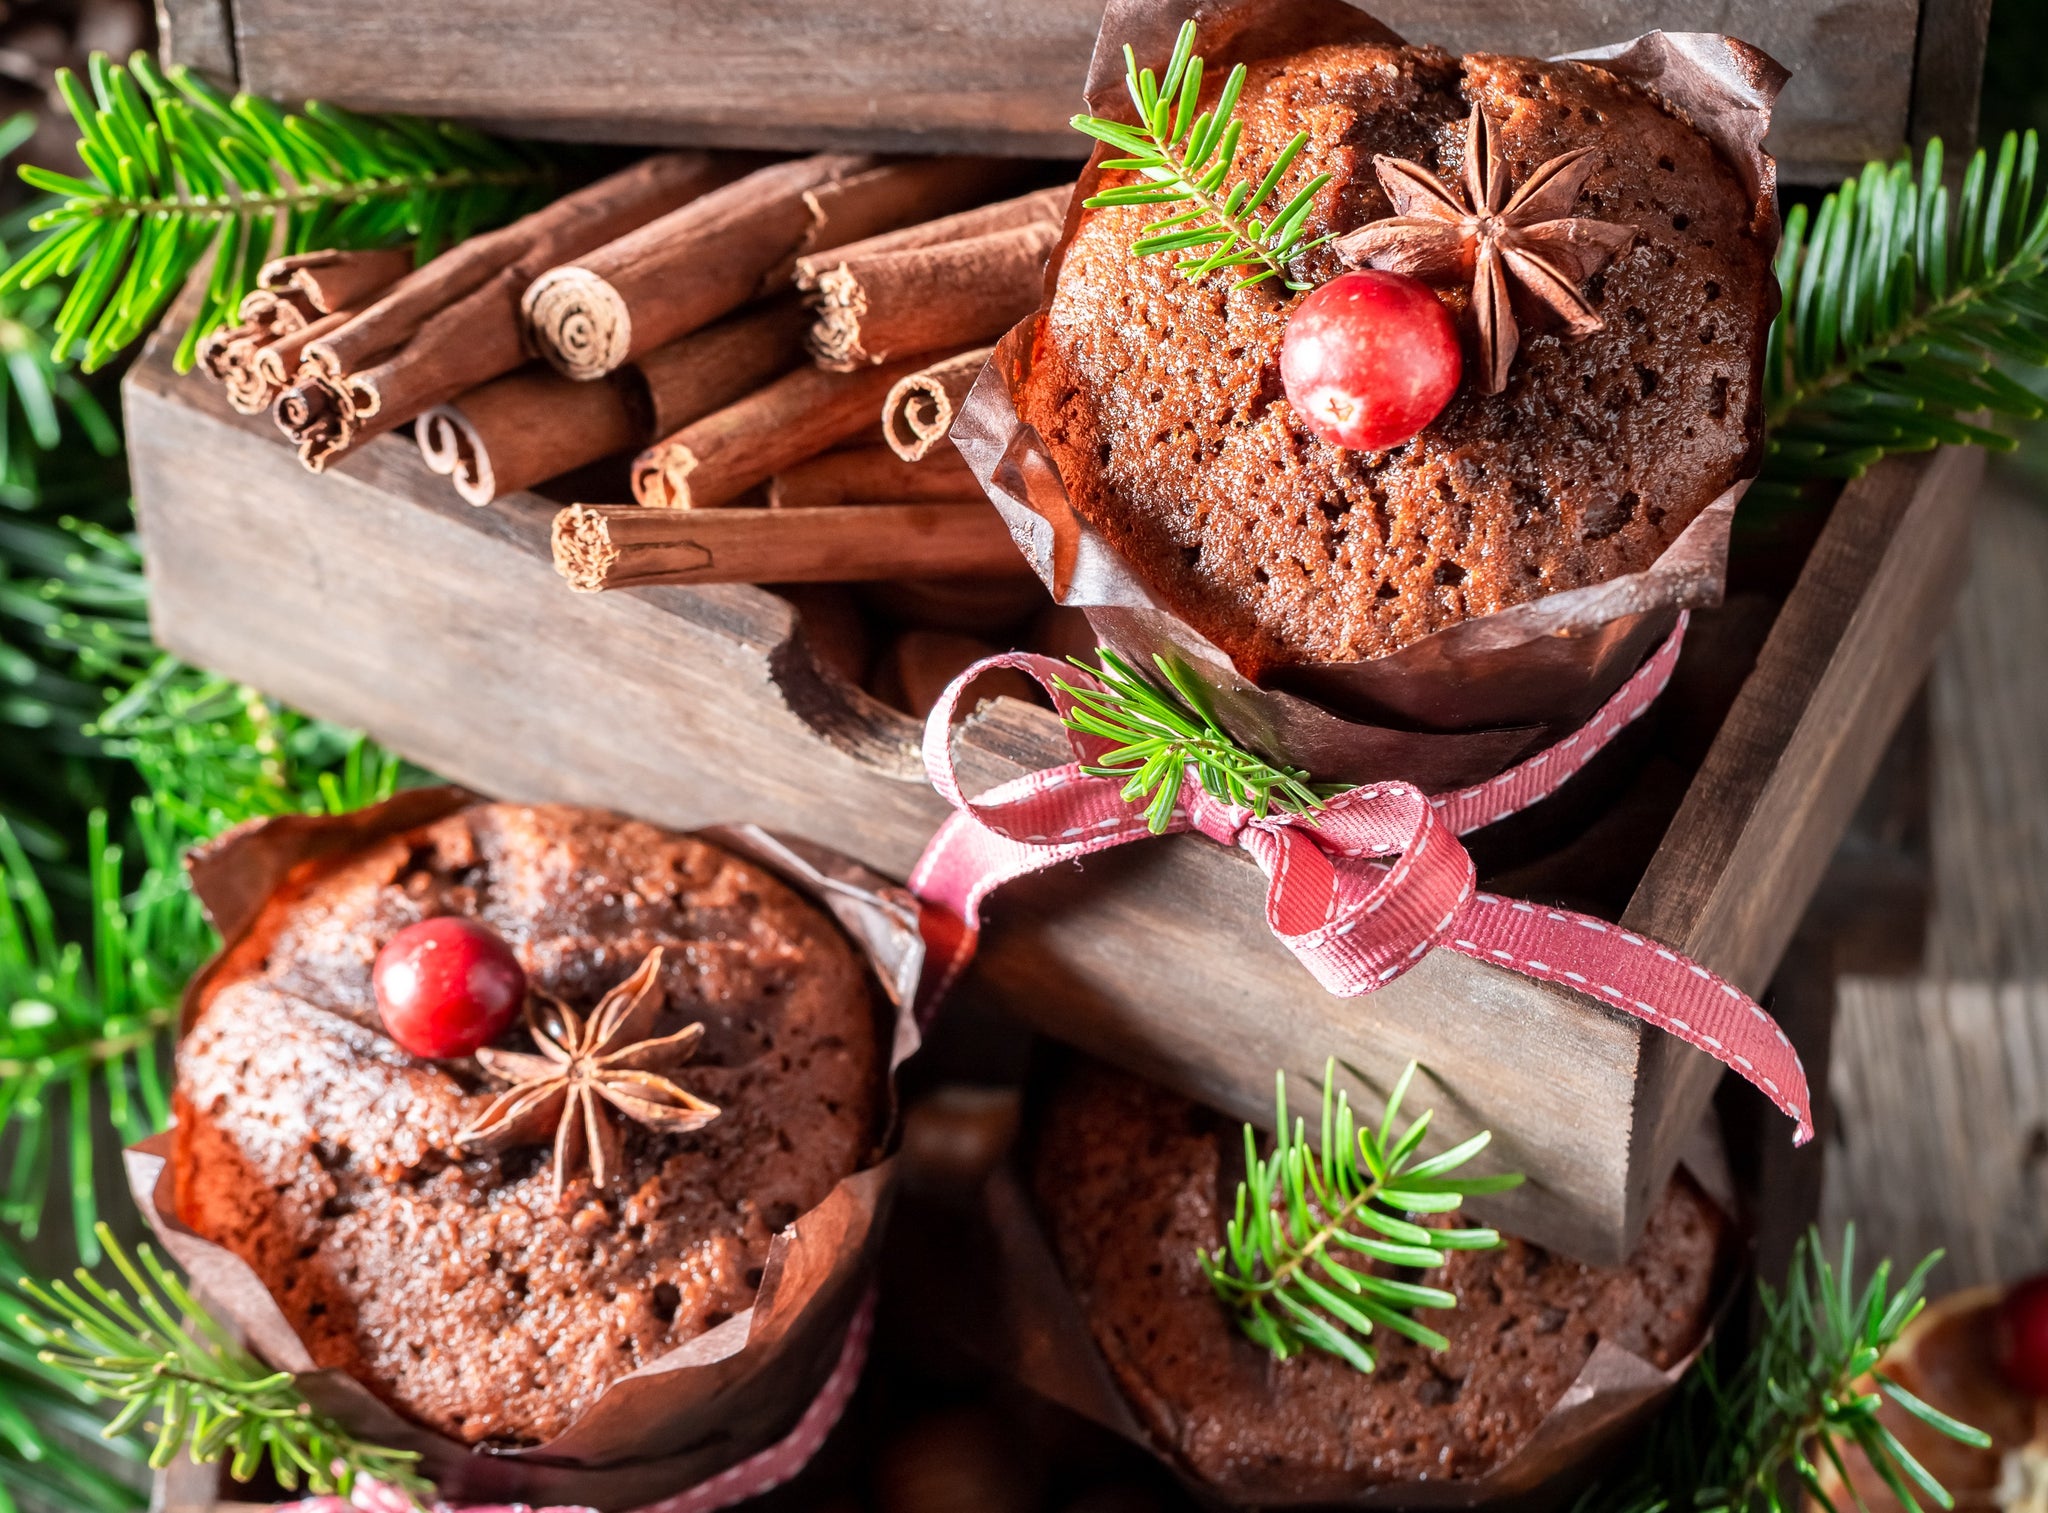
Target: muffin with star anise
505, 1107
1567, 372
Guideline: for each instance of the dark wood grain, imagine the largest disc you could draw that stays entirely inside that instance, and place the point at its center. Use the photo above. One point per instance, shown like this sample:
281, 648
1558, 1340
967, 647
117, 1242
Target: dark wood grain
374, 598
1948, 73
1844, 659
974, 75
201, 35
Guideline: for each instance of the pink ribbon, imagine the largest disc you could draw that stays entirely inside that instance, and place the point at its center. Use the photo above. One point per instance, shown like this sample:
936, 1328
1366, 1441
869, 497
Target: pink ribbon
760, 1472
1366, 887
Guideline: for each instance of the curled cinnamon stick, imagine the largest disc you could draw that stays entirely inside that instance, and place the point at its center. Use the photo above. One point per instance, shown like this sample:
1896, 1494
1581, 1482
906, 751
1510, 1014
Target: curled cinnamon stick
533, 424
228, 354
714, 460
454, 324
1041, 205
922, 299
279, 361
712, 368
869, 475
335, 279
528, 427
571, 226
686, 269
627, 546
920, 408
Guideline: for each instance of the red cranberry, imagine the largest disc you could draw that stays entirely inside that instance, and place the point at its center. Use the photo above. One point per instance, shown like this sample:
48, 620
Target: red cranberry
446, 986
1369, 359
2020, 1336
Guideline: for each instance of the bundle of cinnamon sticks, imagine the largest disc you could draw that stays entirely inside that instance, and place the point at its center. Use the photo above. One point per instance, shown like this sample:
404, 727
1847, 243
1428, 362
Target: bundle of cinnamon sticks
779, 345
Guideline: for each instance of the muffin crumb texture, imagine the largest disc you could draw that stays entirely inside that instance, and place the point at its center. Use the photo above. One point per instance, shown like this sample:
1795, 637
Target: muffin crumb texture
1131, 1181
1161, 402
453, 1286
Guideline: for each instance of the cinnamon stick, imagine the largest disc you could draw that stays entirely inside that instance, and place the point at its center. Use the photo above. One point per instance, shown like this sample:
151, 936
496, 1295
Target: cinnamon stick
922, 299
229, 352
712, 461
723, 363
335, 279
676, 274
870, 475
920, 408
279, 361
571, 226
1041, 205
290, 294
528, 427
454, 324
627, 546
902, 194
533, 424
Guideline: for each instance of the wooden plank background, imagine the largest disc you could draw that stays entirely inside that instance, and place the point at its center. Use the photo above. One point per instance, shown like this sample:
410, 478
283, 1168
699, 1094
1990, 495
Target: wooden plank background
1940, 1080
985, 76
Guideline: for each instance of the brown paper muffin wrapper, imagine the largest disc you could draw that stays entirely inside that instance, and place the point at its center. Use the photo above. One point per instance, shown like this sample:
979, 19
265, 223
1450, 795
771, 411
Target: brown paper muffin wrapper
1455, 707
705, 1405
1035, 1329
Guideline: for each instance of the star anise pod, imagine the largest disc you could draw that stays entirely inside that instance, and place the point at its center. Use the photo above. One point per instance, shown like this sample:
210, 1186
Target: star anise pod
1484, 234
587, 1073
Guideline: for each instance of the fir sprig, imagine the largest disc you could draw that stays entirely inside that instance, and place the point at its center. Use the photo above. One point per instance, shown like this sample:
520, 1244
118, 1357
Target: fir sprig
1163, 732
1753, 1435
174, 1372
179, 171
1185, 157
1901, 300
52, 1451
1349, 1194
89, 983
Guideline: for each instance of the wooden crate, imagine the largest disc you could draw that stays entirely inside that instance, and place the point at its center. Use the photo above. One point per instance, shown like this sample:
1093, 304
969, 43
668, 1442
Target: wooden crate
375, 598
976, 75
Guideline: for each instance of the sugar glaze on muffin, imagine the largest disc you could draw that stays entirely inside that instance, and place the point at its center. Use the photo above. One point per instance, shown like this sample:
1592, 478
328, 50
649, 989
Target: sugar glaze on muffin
1160, 398
454, 1286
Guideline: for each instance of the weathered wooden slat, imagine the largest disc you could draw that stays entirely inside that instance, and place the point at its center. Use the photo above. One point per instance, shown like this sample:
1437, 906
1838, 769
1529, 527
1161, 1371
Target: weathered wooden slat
373, 597
1850, 648
1948, 71
974, 75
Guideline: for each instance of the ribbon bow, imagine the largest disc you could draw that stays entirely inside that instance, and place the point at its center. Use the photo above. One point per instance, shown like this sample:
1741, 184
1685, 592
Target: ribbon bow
1365, 887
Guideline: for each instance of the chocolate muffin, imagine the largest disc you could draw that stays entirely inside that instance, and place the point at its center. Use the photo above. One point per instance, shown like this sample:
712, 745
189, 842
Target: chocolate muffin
1160, 397
455, 1286
1134, 1181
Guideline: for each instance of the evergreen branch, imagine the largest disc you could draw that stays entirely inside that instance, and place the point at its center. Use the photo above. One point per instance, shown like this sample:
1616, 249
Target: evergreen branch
1277, 1269
1744, 1435
1186, 159
88, 992
179, 172
1161, 733
1902, 304
153, 1351
52, 1449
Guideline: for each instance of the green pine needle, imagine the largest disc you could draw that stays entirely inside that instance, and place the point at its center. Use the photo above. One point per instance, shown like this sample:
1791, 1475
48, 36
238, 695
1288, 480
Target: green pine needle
89, 983
178, 172
1159, 733
178, 1376
1348, 1195
52, 1451
1185, 159
1903, 306
1745, 1433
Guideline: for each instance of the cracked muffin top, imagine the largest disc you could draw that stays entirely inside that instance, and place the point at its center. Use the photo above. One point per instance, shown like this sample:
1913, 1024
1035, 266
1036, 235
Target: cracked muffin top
1160, 396
454, 1286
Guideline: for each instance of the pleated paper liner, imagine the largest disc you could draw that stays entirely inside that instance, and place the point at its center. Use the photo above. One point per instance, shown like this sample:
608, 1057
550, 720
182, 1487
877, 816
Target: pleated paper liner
1468, 701
704, 1406
1016, 1311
